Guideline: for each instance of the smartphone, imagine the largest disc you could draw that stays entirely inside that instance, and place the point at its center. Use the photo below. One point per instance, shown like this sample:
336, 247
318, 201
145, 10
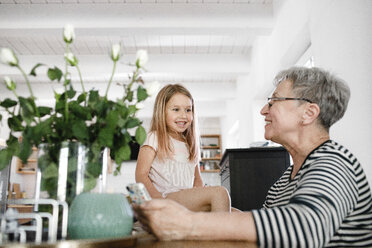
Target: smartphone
138, 193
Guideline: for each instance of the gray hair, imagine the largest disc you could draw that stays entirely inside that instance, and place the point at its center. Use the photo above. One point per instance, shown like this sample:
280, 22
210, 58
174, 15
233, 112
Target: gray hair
330, 93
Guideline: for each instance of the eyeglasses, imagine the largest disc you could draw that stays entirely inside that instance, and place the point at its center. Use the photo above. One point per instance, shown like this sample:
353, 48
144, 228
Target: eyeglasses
271, 99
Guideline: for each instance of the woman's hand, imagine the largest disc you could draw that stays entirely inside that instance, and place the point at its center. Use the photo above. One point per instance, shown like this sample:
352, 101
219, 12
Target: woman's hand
166, 219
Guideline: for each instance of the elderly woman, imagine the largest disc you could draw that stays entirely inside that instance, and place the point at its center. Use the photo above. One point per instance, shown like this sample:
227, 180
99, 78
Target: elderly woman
323, 199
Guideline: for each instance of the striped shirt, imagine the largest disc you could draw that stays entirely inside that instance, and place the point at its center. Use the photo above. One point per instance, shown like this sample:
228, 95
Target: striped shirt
327, 204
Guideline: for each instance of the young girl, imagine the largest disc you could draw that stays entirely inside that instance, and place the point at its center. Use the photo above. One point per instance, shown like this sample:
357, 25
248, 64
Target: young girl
167, 162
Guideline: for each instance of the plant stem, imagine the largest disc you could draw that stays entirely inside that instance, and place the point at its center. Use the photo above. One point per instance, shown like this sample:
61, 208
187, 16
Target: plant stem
82, 84
27, 81
30, 89
134, 79
65, 84
15, 93
112, 76
81, 78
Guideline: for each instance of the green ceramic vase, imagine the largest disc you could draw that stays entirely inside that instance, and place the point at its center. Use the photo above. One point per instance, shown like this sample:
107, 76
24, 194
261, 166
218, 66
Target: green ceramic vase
94, 216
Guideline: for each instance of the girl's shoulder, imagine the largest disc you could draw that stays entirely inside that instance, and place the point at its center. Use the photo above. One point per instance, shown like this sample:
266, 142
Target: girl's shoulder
151, 140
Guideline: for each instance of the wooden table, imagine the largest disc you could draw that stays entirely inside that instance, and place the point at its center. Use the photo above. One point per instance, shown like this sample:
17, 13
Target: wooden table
140, 240
151, 241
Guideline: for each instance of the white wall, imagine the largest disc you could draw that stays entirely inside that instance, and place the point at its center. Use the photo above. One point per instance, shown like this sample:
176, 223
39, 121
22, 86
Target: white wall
340, 35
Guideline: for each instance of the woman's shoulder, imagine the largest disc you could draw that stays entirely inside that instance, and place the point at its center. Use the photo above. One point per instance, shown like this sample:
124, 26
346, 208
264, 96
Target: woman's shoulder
333, 156
332, 148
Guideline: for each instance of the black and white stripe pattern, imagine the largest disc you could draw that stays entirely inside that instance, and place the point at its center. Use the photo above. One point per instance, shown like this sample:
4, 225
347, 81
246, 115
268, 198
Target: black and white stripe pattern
327, 204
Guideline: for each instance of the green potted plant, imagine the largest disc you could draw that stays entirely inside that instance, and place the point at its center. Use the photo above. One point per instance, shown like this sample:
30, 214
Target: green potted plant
86, 117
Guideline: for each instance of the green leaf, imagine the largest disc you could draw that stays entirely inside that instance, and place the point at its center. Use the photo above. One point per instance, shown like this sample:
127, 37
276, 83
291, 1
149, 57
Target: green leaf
72, 164
80, 130
55, 73
132, 122
123, 111
33, 70
94, 168
105, 137
99, 108
50, 171
80, 111
89, 184
26, 150
12, 143
127, 138
141, 93
26, 104
5, 158
112, 119
50, 185
15, 123
95, 149
67, 82
140, 135
27, 109
132, 109
81, 98
120, 103
44, 111
122, 154
120, 122
41, 131
130, 96
71, 93
7, 103
93, 97
60, 105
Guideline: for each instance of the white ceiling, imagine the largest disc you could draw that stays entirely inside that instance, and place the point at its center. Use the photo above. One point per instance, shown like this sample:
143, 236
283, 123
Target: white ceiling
203, 44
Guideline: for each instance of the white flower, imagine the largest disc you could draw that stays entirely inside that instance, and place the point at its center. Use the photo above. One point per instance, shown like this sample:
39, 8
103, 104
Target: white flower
140, 105
68, 33
8, 57
115, 52
152, 88
70, 57
141, 58
9, 83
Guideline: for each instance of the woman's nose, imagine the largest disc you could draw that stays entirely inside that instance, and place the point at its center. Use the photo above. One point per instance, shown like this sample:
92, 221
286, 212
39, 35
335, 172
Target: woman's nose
264, 109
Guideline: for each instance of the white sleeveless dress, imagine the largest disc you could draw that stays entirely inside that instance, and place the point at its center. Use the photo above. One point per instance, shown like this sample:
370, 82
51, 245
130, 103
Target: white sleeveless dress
172, 174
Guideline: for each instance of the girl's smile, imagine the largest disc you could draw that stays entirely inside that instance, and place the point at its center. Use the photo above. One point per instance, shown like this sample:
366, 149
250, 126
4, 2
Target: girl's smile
179, 113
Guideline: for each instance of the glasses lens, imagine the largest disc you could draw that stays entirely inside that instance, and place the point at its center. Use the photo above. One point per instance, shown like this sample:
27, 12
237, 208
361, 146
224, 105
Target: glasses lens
269, 102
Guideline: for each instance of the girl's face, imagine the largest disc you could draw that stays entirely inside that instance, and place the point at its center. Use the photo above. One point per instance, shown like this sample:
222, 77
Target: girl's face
179, 115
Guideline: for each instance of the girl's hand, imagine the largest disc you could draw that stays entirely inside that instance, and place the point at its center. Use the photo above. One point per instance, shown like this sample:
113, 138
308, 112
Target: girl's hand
166, 219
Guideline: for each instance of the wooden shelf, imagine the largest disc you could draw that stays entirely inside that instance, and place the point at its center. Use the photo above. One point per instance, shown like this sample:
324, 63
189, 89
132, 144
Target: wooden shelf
210, 141
210, 147
215, 158
210, 152
22, 209
210, 171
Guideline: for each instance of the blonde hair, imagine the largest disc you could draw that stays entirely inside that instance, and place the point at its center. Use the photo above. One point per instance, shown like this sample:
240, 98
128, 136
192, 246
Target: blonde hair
159, 126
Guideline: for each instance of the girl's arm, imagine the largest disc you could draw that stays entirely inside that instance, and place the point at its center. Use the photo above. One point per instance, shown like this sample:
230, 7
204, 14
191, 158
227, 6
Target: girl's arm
198, 181
145, 158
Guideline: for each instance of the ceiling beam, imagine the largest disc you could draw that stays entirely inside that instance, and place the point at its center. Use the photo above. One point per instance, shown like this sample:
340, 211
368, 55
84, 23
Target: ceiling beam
100, 66
133, 16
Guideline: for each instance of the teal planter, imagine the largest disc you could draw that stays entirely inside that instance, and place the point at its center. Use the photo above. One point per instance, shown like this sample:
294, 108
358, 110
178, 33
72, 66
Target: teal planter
94, 216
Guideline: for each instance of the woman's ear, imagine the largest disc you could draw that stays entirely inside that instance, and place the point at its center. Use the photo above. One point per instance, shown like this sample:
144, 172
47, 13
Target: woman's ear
311, 113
